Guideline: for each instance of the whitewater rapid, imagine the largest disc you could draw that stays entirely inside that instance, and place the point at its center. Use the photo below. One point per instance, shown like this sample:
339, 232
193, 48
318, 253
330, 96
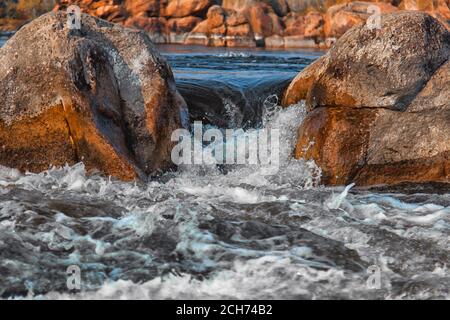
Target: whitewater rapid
201, 233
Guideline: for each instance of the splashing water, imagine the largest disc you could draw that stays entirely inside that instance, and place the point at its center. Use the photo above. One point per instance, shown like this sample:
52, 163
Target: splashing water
205, 234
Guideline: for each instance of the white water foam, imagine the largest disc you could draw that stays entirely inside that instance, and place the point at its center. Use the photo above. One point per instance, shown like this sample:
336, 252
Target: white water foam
111, 230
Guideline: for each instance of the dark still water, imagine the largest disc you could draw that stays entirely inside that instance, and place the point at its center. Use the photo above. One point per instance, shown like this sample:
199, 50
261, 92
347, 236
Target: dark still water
201, 233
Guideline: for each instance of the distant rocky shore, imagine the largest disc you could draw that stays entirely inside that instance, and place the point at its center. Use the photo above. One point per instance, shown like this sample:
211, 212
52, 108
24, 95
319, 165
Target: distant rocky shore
102, 95
247, 23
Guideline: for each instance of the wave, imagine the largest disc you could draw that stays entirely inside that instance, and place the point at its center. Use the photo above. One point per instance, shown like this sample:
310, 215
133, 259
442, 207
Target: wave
203, 233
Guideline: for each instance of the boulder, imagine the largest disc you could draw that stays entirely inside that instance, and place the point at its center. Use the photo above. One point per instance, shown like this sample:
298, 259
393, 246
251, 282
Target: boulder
222, 28
102, 95
264, 21
200, 34
443, 11
377, 146
379, 104
235, 18
310, 5
314, 25
240, 36
212, 31
156, 27
183, 25
275, 41
215, 17
340, 18
382, 68
145, 8
280, 7
185, 8
299, 42
295, 24
437, 8
309, 25
238, 5
303, 82
105, 9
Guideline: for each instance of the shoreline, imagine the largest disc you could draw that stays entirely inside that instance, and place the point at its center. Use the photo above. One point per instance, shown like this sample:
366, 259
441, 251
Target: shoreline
270, 43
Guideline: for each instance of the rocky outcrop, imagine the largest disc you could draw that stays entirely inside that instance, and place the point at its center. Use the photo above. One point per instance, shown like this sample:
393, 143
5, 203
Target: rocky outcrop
340, 18
303, 82
379, 104
270, 23
186, 8
437, 8
222, 28
102, 95
385, 69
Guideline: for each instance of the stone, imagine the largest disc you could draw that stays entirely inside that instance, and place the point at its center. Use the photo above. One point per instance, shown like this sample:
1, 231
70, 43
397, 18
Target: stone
303, 82
299, 42
314, 25
341, 18
384, 68
275, 41
295, 24
263, 21
377, 146
185, 8
183, 25
146, 8
240, 36
386, 115
102, 95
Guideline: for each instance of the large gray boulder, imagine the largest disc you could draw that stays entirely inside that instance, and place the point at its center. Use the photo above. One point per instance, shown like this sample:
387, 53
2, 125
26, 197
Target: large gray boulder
383, 68
379, 104
102, 95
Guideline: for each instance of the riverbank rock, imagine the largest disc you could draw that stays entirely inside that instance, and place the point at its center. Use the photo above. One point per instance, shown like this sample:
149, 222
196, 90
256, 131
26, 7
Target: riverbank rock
102, 95
437, 8
185, 8
222, 28
270, 23
340, 18
379, 104
299, 87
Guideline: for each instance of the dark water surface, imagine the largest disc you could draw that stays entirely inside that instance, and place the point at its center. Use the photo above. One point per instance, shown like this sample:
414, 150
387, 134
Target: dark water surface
228, 87
200, 233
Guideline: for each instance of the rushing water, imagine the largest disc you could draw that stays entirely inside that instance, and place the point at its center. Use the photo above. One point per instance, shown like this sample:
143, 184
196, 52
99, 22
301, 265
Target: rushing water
201, 233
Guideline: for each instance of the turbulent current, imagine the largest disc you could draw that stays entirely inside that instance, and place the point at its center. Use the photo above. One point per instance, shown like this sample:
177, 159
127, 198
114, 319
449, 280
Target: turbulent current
205, 232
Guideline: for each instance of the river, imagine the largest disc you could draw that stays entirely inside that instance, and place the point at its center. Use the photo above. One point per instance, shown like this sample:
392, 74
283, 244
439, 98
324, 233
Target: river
205, 232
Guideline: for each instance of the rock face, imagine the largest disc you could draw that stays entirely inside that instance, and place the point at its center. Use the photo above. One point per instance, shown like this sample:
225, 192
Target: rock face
379, 104
186, 8
437, 8
222, 28
270, 23
101, 95
384, 69
340, 18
